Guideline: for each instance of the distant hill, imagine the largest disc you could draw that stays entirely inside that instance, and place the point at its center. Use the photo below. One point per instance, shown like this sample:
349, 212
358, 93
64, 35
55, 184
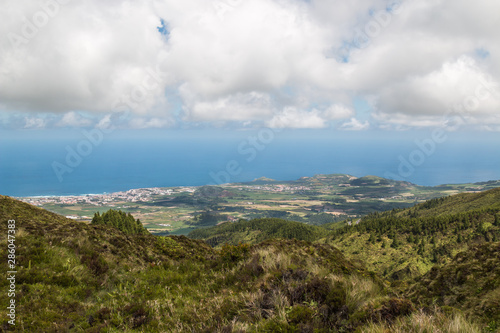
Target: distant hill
372, 181
345, 179
262, 180
256, 231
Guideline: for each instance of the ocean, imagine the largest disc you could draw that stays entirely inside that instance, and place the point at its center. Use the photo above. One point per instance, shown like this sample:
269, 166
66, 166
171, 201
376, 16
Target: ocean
73, 163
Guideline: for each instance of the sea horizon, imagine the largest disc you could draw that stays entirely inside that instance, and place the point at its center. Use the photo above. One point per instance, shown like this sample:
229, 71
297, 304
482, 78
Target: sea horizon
211, 184
37, 167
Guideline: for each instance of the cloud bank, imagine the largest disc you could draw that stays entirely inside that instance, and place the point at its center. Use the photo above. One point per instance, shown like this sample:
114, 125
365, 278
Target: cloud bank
276, 63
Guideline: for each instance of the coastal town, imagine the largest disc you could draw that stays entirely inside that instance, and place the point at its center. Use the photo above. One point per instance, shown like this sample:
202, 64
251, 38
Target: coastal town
105, 199
322, 197
149, 194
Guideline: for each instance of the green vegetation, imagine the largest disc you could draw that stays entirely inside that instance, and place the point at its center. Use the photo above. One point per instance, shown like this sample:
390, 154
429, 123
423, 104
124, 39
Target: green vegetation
317, 200
121, 221
256, 231
470, 282
208, 218
75, 277
406, 243
430, 268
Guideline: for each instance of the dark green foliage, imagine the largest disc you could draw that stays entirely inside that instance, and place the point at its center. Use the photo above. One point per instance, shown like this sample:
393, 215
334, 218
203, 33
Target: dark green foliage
395, 243
234, 253
323, 218
73, 276
469, 282
121, 221
208, 218
255, 231
64, 266
421, 239
372, 238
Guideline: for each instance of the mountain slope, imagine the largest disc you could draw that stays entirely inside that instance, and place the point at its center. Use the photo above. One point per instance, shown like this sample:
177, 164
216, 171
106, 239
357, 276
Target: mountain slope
65, 267
464, 202
407, 243
470, 282
75, 277
256, 231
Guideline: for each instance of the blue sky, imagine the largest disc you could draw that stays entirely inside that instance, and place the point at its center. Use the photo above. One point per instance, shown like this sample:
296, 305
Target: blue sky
362, 65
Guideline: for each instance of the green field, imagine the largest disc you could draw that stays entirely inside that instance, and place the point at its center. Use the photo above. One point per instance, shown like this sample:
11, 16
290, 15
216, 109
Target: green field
314, 200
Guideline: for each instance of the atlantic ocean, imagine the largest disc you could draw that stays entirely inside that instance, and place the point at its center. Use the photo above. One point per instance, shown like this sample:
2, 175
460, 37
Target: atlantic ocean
39, 166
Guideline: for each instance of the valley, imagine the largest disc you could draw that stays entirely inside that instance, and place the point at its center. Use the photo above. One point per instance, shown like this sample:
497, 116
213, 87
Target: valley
433, 267
313, 200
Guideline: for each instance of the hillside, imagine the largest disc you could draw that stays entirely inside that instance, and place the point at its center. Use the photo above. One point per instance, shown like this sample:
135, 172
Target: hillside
470, 282
464, 202
398, 244
256, 231
76, 277
407, 243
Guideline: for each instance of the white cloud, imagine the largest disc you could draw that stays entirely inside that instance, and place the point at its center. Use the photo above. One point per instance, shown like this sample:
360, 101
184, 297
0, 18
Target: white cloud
337, 111
455, 83
73, 119
105, 122
34, 123
142, 123
238, 107
259, 61
87, 56
355, 125
293, 118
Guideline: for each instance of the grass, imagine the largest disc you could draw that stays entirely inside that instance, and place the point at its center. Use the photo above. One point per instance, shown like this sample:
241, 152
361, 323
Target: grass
75, 277
82, 278
420, 322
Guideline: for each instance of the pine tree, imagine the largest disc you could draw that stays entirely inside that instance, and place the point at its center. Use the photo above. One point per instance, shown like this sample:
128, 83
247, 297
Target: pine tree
120, 220
395, 243
421, 249
410, 239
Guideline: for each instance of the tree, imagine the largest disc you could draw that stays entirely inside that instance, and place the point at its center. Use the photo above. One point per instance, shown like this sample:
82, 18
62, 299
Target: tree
121, 221
372, 238
395, 243
410, 239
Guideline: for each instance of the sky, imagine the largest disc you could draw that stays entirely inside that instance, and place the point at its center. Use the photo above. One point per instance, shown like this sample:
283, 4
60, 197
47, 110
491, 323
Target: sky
357, 65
